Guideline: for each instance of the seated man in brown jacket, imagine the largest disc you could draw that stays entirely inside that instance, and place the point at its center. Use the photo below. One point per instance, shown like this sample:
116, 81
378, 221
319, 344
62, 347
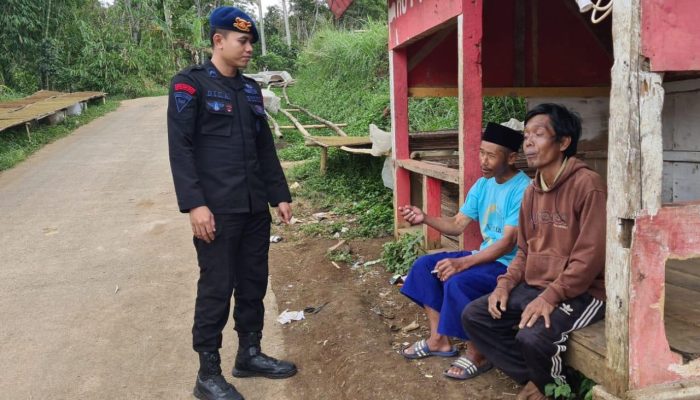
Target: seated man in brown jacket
554, 285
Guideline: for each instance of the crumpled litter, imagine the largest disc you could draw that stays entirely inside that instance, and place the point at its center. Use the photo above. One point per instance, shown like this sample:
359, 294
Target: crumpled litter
288, 316
275, 239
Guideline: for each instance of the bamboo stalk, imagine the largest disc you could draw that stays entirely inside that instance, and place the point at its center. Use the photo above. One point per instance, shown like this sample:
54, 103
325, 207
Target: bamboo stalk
275, 125
296, 123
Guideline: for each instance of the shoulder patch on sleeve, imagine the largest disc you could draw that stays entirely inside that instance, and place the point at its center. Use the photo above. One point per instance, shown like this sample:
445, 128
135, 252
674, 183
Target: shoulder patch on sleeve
184, 87
182, 99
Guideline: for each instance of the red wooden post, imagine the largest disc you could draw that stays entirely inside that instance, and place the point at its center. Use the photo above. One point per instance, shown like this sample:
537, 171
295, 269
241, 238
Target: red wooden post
432, 205
470, 100
399, 128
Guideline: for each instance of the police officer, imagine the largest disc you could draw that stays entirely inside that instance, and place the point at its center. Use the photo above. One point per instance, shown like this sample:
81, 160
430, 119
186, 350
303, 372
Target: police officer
226, 172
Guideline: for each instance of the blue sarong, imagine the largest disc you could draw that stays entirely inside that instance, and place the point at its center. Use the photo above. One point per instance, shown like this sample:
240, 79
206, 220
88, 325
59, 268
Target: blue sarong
450, 297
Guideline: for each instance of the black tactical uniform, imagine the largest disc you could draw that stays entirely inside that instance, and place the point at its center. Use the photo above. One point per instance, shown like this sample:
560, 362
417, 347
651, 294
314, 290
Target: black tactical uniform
222, 156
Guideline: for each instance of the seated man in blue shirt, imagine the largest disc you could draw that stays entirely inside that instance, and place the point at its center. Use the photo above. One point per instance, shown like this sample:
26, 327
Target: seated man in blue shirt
444, 283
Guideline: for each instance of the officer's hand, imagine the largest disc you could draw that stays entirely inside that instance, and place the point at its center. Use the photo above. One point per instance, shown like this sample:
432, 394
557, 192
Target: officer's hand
202, 221
284, 212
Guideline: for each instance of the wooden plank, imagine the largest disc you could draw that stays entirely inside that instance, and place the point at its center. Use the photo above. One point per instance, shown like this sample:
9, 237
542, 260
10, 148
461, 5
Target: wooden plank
690, 266
432, 170
328, 124
470, 33
432, 207
583, 91
681, 303
309, 126
398, 69
296, 123
651, 102
336, 141
586, 352
671, 34
672, 232
623, 172
275, 125
683, 336
411, 20
427, 49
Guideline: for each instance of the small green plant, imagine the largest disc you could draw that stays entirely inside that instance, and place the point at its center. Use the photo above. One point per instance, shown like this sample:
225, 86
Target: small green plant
559, 390
562, 390
398, 256
339, 255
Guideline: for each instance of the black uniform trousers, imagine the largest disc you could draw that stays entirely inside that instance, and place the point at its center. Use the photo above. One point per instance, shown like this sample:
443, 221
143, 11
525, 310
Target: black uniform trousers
529, 354
235, 262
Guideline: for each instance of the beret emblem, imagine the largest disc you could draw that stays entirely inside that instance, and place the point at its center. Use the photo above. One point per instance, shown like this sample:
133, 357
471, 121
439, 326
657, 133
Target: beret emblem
242, 25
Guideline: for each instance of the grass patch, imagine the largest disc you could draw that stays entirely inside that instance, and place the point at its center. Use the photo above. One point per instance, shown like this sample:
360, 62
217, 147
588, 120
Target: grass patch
15, 146
352, 187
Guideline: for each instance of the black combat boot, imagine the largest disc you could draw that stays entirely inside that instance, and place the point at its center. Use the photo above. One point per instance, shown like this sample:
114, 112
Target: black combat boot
251, 361
211, 385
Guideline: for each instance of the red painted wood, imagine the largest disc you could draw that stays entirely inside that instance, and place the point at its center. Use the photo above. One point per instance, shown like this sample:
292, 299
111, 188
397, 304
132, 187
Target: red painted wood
338, 7
440, 68
568, 49
671, 34
568, 53
399, 128
471, 103
409, 19
432, 198
673, 233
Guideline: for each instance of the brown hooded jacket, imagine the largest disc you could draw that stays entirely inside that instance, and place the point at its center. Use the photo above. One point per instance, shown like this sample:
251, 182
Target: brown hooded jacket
561, 236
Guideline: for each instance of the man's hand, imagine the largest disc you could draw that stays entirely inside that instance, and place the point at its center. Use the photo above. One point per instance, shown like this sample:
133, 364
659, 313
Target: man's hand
284, 212
497, 302
202, 221
412, 214
449, 266
536, 309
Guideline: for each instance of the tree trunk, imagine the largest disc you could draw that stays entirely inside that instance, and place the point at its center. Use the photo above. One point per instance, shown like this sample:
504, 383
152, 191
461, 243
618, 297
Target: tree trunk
286, 23
262, 27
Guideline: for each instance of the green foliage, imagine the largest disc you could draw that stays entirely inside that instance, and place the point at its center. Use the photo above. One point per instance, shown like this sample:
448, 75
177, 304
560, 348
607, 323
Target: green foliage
15, 146
352, 186
341, 256
580, 389
398, 256
343, 76
558, 390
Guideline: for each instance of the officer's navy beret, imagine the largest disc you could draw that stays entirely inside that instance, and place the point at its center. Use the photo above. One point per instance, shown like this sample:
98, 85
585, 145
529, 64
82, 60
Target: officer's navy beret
232, 19
503, 136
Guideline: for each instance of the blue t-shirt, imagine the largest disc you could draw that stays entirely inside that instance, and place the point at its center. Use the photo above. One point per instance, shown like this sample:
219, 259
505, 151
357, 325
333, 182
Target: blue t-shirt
494, 206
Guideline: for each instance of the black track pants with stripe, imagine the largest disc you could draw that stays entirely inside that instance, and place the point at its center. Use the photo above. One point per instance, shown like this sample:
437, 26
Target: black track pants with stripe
529, 354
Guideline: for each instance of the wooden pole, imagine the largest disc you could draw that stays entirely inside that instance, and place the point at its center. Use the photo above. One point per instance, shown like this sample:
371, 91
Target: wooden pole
398, 69
634, 145
470, 106
275, 125
296, 122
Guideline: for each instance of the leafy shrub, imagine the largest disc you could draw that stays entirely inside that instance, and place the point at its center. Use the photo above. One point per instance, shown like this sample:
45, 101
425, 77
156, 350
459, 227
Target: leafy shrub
398, 256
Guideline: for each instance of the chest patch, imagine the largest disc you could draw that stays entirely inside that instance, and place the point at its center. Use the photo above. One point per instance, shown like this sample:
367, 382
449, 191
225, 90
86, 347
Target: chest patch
218, 95
217, 106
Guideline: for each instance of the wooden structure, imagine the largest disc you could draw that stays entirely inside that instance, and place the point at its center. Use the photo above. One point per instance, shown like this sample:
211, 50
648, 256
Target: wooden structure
351, 144
635, 80
40, 105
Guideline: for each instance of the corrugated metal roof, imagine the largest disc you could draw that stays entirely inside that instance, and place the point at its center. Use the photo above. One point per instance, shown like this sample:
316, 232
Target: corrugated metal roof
40, 105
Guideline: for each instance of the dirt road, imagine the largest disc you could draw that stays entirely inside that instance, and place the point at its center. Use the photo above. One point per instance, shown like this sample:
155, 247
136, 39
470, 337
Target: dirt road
97, 287
97, 272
